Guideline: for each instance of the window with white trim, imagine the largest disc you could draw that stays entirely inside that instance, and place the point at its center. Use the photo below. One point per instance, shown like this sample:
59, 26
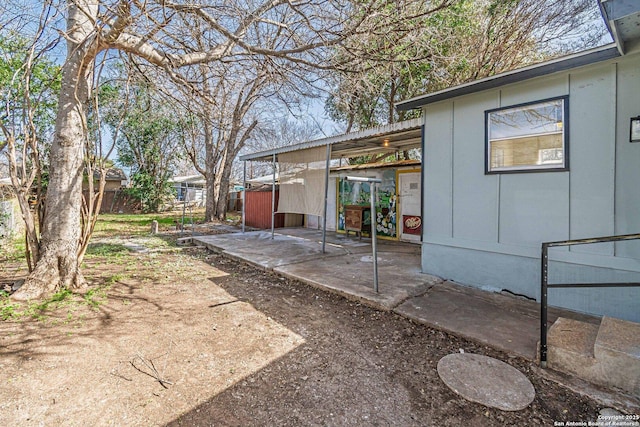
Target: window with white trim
528, 137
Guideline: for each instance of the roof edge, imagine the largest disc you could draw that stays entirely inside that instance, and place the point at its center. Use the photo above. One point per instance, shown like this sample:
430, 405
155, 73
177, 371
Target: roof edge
367, 133
611, 26
587, 57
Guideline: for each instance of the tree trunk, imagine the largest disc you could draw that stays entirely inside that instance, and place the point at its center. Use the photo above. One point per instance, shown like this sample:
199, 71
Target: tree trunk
392, 100
22, 192
31, 234
222, 184
209, 176
58, 266
231, 149
210, 196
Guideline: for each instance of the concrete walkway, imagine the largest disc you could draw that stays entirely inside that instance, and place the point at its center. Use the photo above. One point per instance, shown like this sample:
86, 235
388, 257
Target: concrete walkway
501, 321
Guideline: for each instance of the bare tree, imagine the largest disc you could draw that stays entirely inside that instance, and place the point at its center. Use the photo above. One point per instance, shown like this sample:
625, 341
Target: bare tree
27, 125
96, 159
277, 132
158, 33
235, 101
228, 101
29, 80
222, 126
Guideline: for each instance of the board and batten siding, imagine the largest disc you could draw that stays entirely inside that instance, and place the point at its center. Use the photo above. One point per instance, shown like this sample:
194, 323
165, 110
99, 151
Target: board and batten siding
486, 230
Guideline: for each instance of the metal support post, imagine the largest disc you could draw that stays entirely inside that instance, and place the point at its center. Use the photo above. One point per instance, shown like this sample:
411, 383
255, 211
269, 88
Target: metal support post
374, 243
273, 199
374, 240
244, 192
326, 199
185, 197
544, 271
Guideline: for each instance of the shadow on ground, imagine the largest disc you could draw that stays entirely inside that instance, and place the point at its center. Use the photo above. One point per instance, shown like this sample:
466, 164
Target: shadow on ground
359, 366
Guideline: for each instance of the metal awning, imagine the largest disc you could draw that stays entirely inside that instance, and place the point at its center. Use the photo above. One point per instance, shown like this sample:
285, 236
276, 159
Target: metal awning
394, 137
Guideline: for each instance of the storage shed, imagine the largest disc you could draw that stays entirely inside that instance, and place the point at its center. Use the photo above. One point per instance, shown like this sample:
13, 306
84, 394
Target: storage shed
257, 213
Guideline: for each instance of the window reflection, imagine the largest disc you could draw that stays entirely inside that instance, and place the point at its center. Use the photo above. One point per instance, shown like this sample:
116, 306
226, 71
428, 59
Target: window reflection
527, 137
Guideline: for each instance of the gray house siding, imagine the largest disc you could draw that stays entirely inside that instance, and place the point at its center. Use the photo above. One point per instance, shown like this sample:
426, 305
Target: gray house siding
486, 230
627, 204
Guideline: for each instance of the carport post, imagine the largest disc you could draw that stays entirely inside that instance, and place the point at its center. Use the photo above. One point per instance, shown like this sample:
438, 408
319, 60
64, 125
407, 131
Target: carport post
374, 243
374, 240
185, 198
273, 199
326, 198
244, 191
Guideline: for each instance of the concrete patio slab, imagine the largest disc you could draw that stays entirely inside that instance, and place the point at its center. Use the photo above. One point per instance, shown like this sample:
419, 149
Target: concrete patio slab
501, 321
258, 248
504, 322
351, 275
346, 267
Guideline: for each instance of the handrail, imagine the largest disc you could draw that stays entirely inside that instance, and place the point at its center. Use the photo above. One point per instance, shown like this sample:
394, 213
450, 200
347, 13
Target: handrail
545, 285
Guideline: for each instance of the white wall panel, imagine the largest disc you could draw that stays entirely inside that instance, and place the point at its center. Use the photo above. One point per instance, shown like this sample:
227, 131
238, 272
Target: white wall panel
534, 90
592, 155
438, 165
534, 208
474, 193
628, 157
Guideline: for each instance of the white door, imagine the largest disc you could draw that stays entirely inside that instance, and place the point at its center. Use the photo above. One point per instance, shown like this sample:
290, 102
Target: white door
410, 222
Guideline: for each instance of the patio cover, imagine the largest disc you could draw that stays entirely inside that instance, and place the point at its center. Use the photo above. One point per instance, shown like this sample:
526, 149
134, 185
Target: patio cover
398, 136
301, 193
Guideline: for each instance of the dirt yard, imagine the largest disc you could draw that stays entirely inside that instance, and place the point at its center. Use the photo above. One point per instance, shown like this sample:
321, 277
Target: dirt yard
183, 337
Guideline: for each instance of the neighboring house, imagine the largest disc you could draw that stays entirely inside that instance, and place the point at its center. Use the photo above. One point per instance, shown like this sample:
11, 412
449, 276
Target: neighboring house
115, 179
190, 188
262, 180
114, 199
549, 152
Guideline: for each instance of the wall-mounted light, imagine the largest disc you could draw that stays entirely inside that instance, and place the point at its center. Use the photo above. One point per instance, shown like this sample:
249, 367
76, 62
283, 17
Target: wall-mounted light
634, 129
385, 143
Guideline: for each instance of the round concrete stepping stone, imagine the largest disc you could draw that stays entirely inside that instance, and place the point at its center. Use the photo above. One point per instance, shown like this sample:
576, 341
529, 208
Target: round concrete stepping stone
487, 381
